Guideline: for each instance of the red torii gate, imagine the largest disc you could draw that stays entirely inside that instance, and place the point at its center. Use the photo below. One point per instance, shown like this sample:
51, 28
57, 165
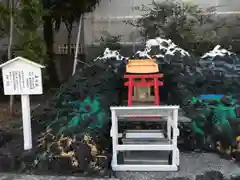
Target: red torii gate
154, 82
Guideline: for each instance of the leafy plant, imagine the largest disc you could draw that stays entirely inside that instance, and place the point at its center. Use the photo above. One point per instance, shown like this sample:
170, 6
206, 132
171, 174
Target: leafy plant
62, 11
4, 20
105, 41
191, 27
28, 21
112, 42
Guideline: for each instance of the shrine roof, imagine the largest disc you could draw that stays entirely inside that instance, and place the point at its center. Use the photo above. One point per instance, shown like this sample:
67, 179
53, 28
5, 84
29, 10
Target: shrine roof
21, 59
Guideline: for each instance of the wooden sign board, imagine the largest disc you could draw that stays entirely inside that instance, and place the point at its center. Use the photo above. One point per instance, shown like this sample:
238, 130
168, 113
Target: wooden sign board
22, 77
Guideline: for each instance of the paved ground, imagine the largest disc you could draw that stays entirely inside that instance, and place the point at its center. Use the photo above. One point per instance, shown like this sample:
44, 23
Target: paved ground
191, 164
33, 177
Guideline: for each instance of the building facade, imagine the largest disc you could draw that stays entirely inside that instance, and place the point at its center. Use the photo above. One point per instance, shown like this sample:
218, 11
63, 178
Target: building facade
109, 17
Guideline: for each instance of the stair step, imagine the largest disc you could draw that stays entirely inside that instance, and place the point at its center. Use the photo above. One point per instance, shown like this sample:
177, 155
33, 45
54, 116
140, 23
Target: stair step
146, 157
144, 134
146, 141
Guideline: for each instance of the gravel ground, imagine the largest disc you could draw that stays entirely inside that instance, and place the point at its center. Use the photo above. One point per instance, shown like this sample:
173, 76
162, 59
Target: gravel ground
33, 177
191, 164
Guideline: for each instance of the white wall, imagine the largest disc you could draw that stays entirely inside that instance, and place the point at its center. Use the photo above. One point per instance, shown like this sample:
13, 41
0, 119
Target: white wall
110, 14
229, 5
203, 3
225, 5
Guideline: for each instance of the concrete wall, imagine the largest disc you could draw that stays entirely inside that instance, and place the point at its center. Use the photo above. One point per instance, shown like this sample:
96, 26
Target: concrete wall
225, 5
203, 3
109, 16
229, 5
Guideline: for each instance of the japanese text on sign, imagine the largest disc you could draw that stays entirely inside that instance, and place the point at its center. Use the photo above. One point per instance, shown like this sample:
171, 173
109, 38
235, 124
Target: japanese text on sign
21, 81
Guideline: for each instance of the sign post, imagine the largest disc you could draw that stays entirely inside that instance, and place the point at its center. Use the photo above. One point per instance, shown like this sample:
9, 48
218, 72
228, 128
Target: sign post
23, 77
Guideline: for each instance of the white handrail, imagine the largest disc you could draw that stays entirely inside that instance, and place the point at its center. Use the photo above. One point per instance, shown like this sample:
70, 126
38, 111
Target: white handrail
169, 145
122, 108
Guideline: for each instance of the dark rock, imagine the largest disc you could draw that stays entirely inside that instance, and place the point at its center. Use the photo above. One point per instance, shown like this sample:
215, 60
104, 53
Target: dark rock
235, 178
236, 155
199, 177
5, 137
80, 108
210, 175
7, 162
179, 178
10, 154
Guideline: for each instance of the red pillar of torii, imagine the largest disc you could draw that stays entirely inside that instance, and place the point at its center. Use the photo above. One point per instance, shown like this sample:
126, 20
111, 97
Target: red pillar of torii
131, 83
